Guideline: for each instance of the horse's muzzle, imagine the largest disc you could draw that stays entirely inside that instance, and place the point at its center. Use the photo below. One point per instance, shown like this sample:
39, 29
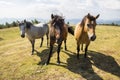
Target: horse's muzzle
22, 36
93, 37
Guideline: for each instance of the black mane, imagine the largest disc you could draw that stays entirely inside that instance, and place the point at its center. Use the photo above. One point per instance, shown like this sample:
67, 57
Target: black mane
28, 24
57, 21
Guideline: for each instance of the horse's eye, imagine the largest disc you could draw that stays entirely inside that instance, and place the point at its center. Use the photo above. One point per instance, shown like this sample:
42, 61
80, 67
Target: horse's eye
89, 25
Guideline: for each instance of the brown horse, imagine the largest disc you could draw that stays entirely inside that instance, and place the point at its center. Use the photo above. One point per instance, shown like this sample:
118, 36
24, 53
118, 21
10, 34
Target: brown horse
58, 33
85, 32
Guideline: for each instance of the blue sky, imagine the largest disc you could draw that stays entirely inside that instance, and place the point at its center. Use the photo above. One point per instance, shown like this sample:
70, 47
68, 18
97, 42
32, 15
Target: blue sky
70, 9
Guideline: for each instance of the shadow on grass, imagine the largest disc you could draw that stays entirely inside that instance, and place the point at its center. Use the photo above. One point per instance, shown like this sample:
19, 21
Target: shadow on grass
1, 39
83, 66
44, 55
105, 62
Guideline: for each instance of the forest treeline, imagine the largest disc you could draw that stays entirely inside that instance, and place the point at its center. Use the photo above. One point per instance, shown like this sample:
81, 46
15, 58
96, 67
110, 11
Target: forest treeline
35, 21
15, 24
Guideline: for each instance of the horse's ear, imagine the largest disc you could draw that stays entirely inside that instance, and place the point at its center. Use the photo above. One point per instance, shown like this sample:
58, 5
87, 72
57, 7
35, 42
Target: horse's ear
97, 16
52, 16
88, 15
24, 20
18, 22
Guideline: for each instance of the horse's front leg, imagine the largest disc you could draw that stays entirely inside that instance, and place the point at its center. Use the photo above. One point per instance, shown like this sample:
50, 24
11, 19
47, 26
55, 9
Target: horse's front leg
78, 50
58, 52
32, 42
86, 48
82, 47
49, 56
65, 44
41, 42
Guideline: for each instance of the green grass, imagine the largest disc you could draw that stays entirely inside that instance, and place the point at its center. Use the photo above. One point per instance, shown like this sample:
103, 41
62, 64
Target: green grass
103, 62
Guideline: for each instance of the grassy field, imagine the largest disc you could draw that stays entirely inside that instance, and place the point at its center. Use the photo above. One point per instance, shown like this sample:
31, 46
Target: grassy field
103, 62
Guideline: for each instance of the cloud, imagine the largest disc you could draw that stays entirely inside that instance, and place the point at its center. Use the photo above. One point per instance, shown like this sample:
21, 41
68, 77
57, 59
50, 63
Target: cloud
5, 4
110, 4
69, 9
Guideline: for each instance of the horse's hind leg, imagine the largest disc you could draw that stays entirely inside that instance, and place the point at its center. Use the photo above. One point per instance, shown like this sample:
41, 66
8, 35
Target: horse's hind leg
47, 39
82, 47
58, 51
65, 44
41, 42
78, 50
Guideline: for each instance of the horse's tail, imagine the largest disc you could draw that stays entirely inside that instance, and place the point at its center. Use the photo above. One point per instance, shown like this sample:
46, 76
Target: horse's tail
47, 28
71, 30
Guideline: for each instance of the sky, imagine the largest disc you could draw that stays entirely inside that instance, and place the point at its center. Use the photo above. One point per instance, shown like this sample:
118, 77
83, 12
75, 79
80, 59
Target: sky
70, 9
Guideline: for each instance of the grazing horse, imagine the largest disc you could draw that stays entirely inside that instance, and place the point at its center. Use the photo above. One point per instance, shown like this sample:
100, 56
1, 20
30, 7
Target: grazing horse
34, 32
58, 33
85, 32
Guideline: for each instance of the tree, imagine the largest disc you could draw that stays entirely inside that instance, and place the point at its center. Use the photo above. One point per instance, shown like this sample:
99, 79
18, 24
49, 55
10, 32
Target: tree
1, 26
113, 24
7, 25
35, 21
13, 24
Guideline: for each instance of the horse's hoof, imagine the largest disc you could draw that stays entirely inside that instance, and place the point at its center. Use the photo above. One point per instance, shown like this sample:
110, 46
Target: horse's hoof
46, 64
58, 62
40, 46
77, 58
85, 56
65, 49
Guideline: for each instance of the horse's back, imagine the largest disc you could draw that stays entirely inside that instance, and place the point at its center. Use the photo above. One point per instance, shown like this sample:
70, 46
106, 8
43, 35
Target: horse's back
39, 30
41, 25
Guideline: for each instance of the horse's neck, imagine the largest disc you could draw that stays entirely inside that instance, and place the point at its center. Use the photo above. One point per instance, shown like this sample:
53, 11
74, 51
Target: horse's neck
82, 27
27, 31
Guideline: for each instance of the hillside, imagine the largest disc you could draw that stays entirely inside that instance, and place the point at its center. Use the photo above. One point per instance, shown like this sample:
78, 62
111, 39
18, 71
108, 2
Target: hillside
103, 62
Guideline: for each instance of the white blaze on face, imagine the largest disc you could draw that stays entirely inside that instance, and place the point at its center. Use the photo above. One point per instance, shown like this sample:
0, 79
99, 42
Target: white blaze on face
22, 30
90, 35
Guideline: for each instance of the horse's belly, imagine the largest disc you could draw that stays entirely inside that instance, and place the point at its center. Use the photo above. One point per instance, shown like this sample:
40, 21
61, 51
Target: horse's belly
84, 40
38, 36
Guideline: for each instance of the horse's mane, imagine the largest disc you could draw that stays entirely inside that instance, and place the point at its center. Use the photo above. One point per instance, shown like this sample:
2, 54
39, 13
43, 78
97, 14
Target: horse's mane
28, 24
83, 21
54, 21
91, 18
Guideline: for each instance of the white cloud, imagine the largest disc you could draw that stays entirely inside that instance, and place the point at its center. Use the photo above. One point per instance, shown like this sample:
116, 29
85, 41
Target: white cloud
110, 4
70, 9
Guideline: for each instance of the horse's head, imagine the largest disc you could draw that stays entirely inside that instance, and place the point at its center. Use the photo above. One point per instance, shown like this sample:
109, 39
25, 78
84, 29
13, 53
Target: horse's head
57, 20
23, 26
90, 25
58, 23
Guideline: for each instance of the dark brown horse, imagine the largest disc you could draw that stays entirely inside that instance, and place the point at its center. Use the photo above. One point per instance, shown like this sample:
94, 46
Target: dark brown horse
85, 32
58, 33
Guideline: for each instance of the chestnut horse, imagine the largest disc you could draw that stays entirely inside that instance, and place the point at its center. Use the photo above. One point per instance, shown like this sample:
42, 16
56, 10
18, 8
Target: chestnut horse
58, 33
85, 32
